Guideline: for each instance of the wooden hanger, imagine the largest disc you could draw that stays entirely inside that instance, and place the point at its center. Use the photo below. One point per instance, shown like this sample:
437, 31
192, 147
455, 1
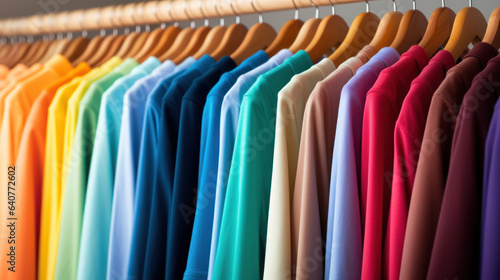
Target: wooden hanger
40, 52
469, 27
76, 48
194, 44
410, 32
115, 47
259, 37
164, 43
128, 44
179, 44
387, 29
196, 40
138, 44
234, 35
20, 50
438, 30
361, 32
90, 50
331, 32
306, 33
31, 52
103, 49
158, 37
492, 34
286, 36
212, 41
4, 52
150, 43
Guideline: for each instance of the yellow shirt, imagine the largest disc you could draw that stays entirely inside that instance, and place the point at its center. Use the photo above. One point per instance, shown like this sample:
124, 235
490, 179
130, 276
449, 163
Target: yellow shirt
72, 112
53, 183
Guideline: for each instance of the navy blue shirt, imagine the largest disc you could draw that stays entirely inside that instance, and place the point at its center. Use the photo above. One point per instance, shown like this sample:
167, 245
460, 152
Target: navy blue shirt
183, 205
145, 172
164, 167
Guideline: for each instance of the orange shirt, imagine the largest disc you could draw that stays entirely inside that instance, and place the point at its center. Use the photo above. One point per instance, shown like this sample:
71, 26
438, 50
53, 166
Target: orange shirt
4, 70
16, 109
12, 82
14, 72
30, 161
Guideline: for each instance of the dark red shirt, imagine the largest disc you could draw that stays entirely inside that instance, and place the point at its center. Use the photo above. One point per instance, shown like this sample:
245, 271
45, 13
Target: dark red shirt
455, 254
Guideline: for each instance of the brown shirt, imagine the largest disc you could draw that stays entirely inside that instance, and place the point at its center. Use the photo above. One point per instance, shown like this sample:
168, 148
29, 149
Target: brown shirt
432, 168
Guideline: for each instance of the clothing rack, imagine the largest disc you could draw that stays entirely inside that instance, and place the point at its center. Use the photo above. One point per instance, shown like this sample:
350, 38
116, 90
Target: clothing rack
153, 12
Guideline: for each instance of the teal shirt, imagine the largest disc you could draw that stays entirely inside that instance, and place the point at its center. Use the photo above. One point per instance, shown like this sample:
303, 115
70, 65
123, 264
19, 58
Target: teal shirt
76, 184
242, 241
92, 262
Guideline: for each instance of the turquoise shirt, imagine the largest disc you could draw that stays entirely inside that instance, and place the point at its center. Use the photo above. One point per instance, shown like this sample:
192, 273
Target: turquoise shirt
98, 203
76, 184
241, 248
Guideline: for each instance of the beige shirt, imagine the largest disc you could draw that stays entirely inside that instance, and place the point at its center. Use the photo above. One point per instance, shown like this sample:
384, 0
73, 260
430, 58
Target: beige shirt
312, 184
291, 105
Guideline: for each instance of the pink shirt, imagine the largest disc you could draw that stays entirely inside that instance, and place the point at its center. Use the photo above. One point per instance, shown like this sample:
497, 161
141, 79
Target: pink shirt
382, 107
312, 183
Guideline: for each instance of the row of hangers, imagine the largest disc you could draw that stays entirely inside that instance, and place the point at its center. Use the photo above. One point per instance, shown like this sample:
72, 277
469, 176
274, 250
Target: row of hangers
316, 36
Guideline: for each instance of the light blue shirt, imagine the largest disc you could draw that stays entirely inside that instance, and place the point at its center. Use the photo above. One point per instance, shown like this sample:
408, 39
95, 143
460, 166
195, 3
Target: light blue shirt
134, 103
344, 243
229, 122
97, 212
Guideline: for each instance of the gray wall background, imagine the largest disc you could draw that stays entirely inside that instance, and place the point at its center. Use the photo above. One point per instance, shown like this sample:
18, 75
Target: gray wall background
17, 8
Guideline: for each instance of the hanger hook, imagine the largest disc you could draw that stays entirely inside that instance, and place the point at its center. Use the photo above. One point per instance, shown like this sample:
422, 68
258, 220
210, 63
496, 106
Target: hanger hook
66, 21
261, 18
134, 19
367, 6
98, 21
80, 24
470, 3
147, 27
394, 6
193, 24
296, 10
169, 10
317, 8
333, 7
113, 23
205, 19
443, 4
157, 17
221, 23
238, 18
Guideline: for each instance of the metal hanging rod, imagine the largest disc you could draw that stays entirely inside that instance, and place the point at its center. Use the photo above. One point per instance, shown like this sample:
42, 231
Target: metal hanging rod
154, 12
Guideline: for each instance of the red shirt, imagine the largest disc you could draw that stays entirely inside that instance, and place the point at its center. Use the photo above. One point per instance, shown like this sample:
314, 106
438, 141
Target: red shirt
408, 136
383, 103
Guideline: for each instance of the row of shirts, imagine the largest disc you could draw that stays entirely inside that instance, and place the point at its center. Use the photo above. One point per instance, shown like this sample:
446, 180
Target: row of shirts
275, 168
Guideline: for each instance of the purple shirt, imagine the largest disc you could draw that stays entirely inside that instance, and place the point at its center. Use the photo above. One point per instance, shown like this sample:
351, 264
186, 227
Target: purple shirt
344, 242
490, 235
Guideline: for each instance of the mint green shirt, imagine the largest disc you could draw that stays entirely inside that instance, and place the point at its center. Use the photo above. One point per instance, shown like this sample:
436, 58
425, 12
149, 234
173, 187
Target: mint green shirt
76, 185
242, 241
92, 262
